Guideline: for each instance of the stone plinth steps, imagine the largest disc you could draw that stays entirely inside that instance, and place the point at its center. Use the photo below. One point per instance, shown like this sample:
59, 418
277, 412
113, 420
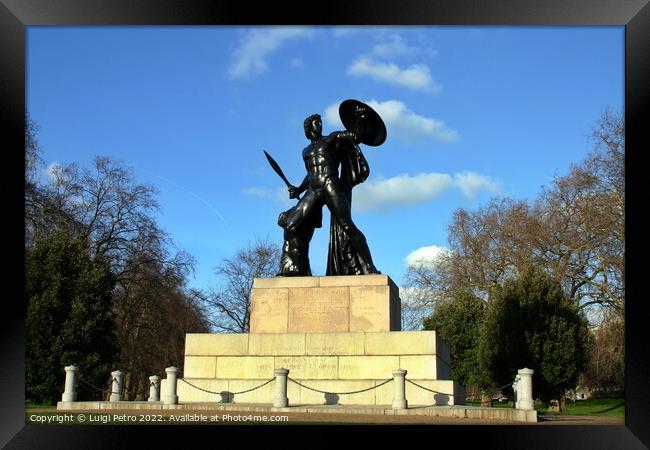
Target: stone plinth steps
335, 334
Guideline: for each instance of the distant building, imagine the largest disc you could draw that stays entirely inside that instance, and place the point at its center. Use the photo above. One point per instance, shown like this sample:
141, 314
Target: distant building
580, 393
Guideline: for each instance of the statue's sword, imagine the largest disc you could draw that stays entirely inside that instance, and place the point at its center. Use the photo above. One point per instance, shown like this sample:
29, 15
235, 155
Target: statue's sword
277, 169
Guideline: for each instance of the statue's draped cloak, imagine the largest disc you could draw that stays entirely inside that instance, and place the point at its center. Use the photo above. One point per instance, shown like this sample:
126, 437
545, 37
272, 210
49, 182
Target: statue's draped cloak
342, 259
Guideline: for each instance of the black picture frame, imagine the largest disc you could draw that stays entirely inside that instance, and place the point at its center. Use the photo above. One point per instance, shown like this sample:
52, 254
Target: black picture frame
634, 15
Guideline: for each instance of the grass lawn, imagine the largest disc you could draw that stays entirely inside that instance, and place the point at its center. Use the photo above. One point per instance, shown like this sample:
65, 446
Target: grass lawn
609, 406
30, 405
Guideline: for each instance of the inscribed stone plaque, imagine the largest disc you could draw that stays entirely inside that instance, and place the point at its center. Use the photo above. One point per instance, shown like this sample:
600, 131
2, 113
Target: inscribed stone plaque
309, 367
269, 310
258, 367
334, 343
370, 308
319, 310
277, 344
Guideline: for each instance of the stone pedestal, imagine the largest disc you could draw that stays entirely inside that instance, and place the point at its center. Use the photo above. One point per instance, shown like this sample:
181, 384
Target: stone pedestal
334, 304
334, 334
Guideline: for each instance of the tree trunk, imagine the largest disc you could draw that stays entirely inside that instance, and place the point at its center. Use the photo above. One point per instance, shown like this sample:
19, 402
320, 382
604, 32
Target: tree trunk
126, 388
563, 407
109, 389
486, 400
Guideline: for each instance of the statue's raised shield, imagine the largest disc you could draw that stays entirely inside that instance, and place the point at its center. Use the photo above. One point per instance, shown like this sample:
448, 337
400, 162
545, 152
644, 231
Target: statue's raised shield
353, 111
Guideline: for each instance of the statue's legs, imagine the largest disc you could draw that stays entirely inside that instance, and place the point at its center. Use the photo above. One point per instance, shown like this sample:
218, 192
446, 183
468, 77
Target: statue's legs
299, 223
295, 251
291, 219
340, 208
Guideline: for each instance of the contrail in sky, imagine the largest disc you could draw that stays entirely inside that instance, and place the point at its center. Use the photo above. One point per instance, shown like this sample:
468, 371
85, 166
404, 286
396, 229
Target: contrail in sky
204, 201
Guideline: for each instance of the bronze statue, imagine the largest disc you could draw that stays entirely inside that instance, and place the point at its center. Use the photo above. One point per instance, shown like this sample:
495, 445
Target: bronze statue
323, 185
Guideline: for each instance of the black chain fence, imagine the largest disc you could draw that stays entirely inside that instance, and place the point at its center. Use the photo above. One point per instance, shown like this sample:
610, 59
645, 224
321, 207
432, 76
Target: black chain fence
104, 391
427, 389
340, 393
226, 392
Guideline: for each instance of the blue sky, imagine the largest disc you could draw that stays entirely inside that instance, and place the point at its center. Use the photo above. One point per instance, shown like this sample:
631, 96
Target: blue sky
471, 113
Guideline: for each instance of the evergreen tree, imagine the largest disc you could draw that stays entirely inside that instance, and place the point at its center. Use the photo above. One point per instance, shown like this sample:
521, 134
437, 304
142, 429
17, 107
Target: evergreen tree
69, 319
531, 323
457, 322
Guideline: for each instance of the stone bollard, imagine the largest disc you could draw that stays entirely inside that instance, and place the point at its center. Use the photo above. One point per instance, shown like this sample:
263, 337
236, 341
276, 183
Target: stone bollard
154, 388
399, 378
515, 387
172, 378
281, 400
525, 389
70, 393
116, 386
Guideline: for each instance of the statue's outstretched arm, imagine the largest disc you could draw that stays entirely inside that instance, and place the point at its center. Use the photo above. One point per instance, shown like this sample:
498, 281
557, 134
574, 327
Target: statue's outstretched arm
294, 192
304, 185
352, 136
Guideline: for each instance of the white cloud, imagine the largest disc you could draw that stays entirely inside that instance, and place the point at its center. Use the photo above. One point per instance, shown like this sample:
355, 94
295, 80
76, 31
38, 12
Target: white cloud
250, 57
424, 255
331, 116
406, 190
471, 183
409, 124
416, 76
402, 190
397, 47
401, 122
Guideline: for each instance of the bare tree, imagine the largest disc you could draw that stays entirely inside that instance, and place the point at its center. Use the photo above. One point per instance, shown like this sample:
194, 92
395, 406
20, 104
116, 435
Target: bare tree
575, 229
33, 159
229, 306
606, 367
107, 207
583, 216
33, 195
414, 309
427, 283
489, 245
154, 312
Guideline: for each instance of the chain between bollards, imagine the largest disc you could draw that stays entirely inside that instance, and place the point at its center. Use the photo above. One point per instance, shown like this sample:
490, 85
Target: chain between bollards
340, 393
233, 393
427, 389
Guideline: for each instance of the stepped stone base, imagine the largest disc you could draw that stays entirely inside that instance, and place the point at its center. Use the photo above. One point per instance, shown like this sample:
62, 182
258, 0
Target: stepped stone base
335, 334
331, 362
